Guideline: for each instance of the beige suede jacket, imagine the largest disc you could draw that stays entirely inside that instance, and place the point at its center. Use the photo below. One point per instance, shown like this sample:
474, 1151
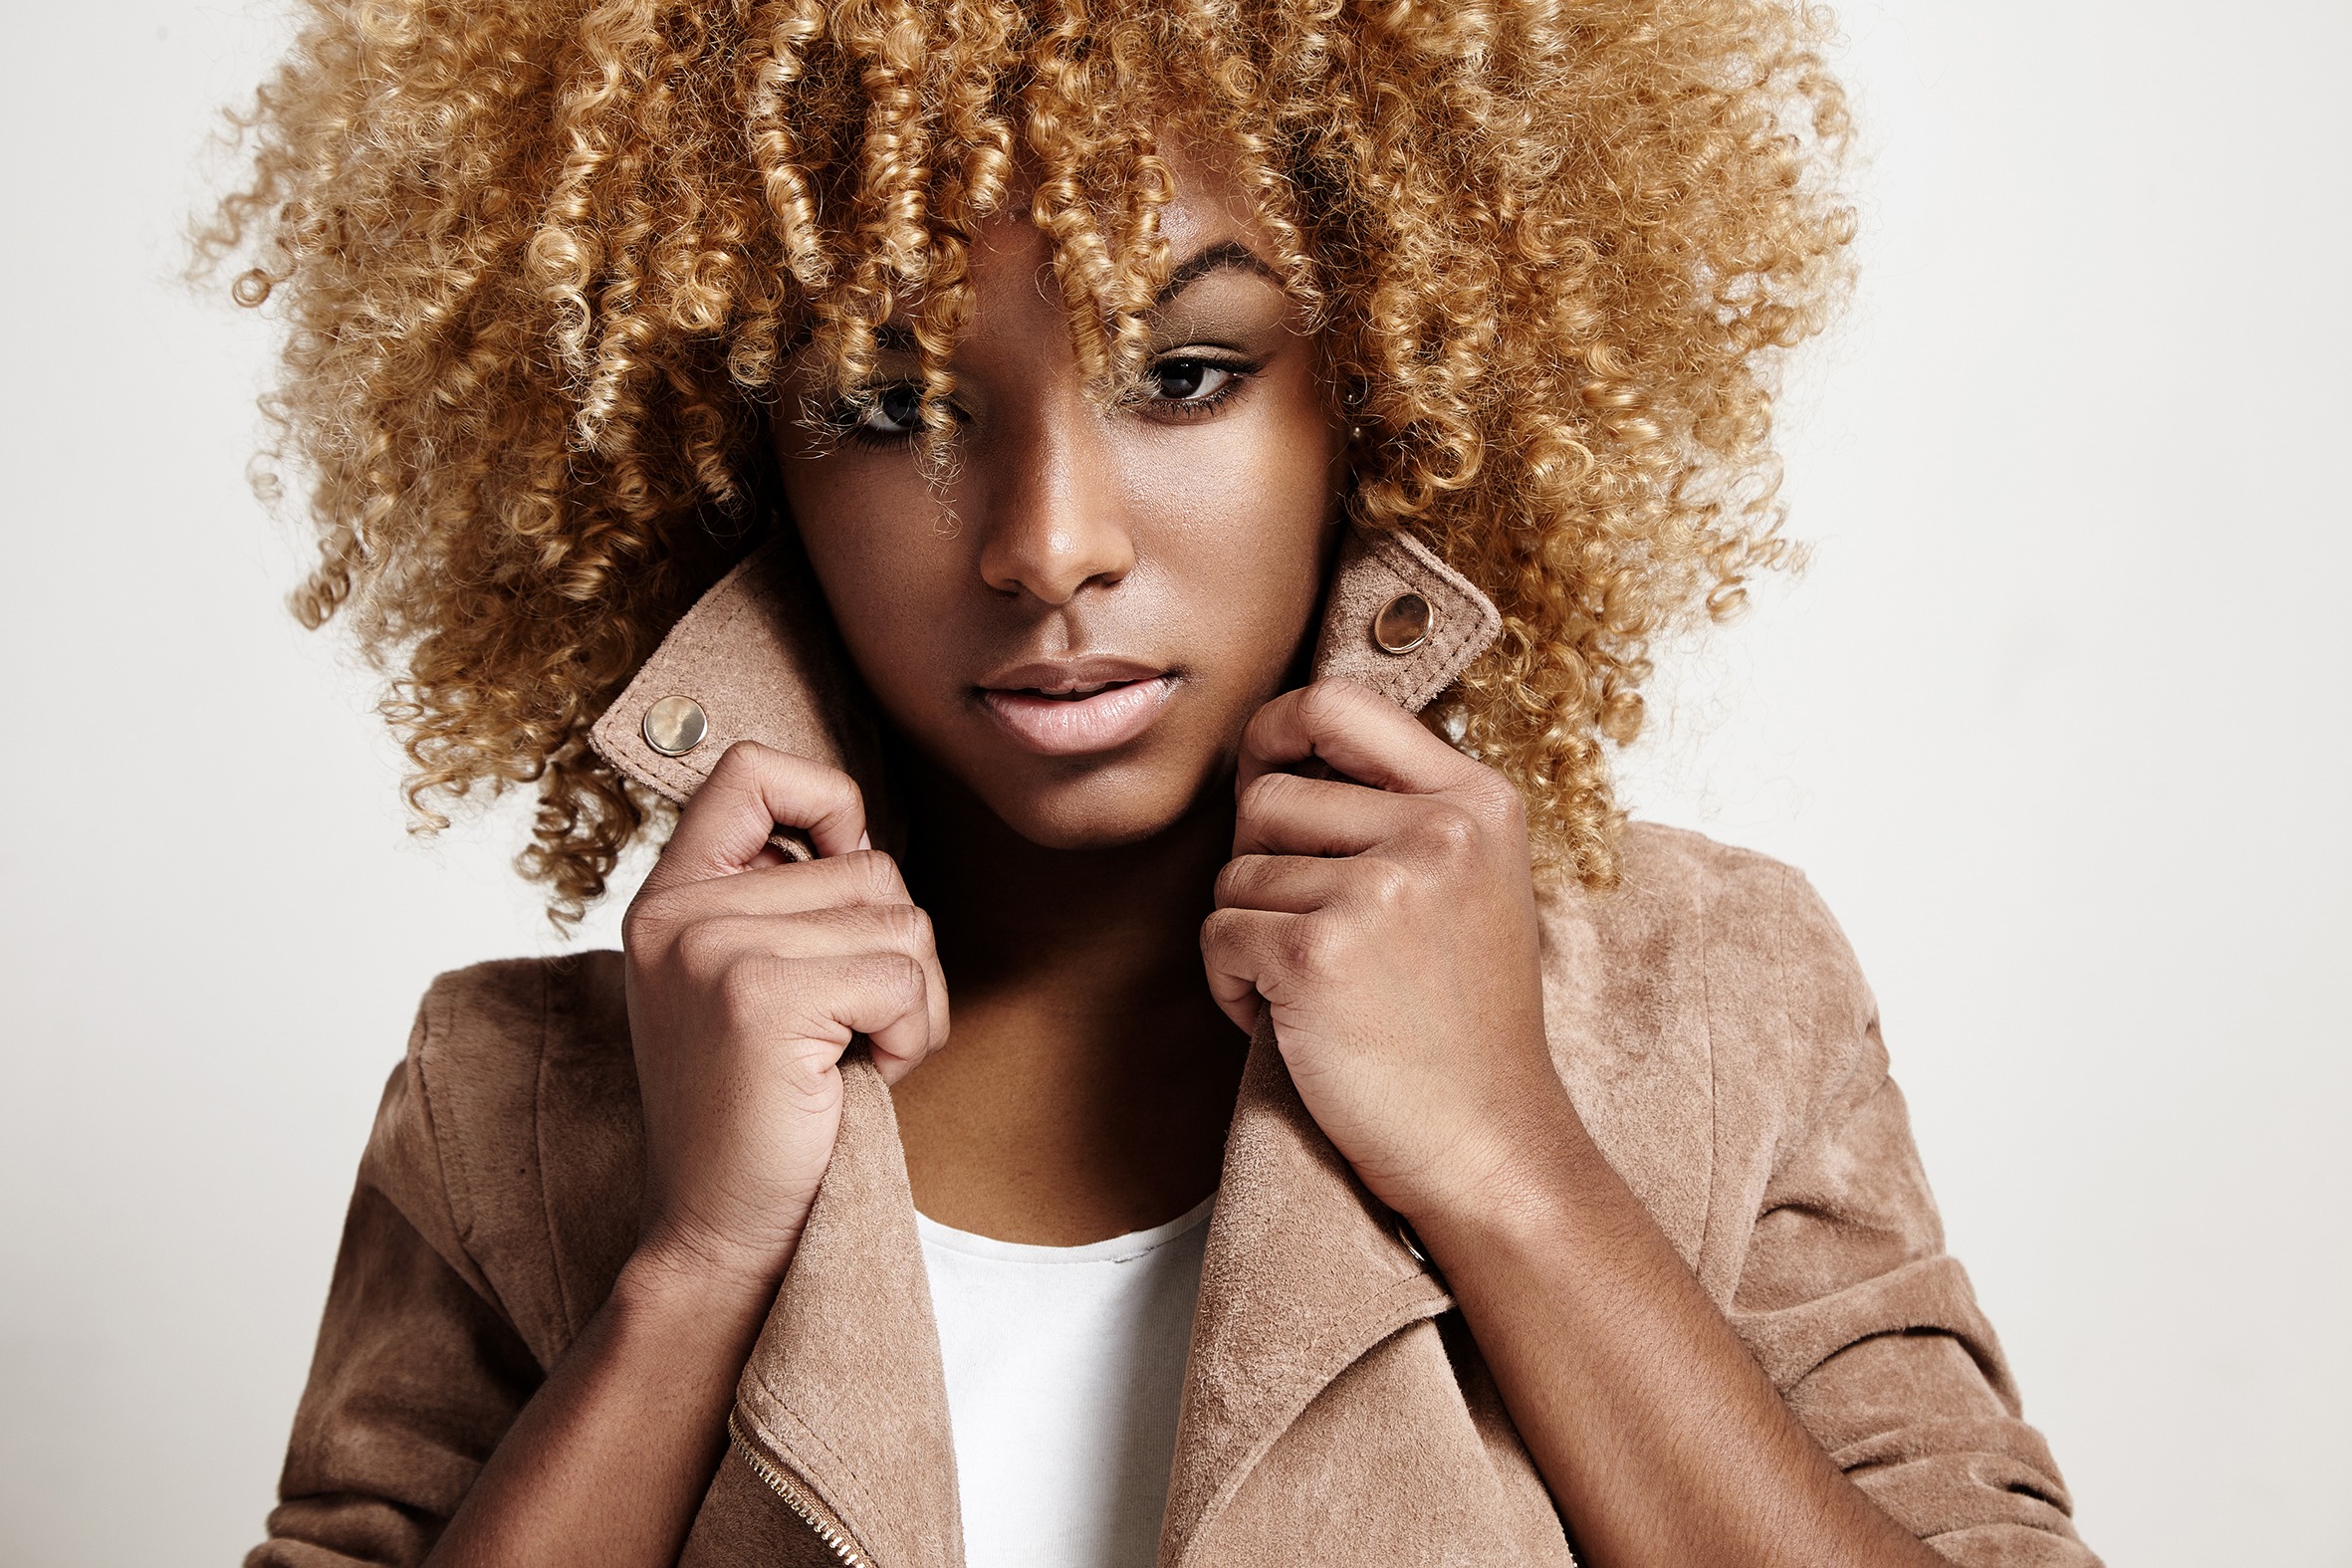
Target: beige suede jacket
1706, 1017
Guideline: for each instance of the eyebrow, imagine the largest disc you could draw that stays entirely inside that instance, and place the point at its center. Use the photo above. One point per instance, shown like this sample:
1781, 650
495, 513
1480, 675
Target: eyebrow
1231, 256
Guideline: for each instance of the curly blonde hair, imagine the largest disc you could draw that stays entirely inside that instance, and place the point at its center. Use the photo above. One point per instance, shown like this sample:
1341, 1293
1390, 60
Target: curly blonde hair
539, 262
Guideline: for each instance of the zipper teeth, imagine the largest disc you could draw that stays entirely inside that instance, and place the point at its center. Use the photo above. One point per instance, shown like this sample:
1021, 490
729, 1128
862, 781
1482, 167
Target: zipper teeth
796, 1497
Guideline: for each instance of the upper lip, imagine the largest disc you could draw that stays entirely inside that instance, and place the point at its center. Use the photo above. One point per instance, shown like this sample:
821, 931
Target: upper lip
1058, 677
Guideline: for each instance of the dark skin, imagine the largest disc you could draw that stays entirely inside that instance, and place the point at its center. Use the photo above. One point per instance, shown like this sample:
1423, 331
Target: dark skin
1092, 1076
1092, 1079
1087, 669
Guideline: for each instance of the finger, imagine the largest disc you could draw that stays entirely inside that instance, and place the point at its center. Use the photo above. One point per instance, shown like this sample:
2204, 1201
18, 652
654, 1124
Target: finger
1285, 814
1282, 884
900, 1042
885, 997
1253, 954
753, 791
1357, 732
861, 877
714, 945
708, 946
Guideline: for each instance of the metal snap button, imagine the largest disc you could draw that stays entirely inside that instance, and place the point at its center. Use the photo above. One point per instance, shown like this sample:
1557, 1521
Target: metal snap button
1403, 623
675, 726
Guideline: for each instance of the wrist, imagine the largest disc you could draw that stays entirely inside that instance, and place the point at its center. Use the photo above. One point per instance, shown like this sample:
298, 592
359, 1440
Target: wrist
668, 1277
1528, 1169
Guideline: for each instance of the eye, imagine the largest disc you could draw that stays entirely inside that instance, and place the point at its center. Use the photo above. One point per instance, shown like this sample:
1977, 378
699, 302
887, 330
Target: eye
895, 411
1188, 380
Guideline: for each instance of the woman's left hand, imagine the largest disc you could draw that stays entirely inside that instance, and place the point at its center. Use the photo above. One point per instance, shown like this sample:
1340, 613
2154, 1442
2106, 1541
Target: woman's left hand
1389, 919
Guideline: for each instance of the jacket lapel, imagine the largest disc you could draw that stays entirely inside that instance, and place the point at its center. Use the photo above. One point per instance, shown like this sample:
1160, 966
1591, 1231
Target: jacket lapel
844, 1391
1304, 1270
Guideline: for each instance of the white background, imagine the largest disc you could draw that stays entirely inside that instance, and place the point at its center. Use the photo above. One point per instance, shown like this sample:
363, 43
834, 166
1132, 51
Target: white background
2058, 720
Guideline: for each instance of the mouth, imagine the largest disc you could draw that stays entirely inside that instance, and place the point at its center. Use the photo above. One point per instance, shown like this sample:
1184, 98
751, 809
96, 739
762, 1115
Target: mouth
1076, 708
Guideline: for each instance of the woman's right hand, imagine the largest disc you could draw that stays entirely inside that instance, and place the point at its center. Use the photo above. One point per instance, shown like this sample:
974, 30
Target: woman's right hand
747, 975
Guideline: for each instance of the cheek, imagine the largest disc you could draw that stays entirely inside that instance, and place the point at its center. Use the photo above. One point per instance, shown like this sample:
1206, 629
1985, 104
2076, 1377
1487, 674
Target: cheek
1249, 535
886, 571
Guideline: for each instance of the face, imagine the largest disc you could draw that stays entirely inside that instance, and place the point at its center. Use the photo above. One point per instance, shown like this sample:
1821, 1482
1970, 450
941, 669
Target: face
1078, 620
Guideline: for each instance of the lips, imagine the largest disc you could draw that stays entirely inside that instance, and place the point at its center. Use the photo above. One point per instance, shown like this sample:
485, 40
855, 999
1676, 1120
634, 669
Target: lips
1071, 708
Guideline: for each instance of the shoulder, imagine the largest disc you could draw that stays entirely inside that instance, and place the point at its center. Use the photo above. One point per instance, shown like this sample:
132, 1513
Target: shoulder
485, 1033
1671, 878
499, 1047
1704, 1013
1689, 910
518, 1101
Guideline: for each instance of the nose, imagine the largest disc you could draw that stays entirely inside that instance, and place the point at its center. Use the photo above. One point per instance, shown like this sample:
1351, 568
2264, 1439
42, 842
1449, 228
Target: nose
1056, 518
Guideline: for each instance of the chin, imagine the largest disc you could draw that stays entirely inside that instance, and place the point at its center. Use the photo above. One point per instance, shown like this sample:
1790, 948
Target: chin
1109, 811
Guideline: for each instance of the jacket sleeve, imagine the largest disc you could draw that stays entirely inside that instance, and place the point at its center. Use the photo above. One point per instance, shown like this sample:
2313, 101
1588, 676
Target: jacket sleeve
1864, 1323
418, 1372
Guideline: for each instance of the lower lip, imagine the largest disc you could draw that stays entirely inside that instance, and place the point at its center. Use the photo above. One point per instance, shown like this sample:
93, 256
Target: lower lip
1074, 727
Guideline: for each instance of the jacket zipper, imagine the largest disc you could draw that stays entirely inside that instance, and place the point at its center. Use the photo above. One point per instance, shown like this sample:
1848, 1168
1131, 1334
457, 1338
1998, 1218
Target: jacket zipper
799, 1498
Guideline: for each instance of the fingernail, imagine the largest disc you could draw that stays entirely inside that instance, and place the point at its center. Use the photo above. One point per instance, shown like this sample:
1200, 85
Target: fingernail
865, 840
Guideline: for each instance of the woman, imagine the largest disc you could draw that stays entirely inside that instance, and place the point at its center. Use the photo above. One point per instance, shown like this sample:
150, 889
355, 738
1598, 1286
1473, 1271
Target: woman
1170, 501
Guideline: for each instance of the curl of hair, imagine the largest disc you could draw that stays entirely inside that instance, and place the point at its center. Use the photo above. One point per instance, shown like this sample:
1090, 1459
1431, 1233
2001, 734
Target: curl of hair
538, 263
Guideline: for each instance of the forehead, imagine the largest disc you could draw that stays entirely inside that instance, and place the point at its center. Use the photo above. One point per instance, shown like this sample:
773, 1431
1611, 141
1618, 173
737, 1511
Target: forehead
1209, 207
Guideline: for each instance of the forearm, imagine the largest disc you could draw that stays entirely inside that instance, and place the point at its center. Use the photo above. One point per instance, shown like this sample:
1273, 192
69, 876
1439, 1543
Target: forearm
1663, 1443
610, 1458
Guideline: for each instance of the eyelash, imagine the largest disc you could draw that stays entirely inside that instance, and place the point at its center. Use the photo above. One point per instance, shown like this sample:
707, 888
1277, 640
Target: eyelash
1238, 373
849, 418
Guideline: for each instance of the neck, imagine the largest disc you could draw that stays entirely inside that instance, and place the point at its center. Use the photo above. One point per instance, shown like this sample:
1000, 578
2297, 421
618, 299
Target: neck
1089, 1077
1105, 925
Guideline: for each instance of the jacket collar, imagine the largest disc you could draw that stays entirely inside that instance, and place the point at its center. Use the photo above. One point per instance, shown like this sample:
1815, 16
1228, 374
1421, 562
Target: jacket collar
1304, 1270
758, 658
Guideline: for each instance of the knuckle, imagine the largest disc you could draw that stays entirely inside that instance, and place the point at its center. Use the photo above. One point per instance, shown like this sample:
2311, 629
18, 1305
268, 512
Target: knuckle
834, 790
704, 948
873, 876
901, 925
1265, 718
732, 765
900, 977
1311, 945
834, 781
654, 912
740, 768
1233, 939
1235, 879
1384, 886
1326, 700
1498, 797
745, 991
1447, 832
744, 763
1216, 931
740, 756
640, 926
1264, 795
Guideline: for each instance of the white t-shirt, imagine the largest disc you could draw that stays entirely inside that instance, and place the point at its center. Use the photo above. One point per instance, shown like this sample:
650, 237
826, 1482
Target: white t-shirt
1064, 1365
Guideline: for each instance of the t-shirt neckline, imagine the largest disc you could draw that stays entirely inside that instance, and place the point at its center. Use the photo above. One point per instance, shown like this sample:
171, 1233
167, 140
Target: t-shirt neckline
1111, 1250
